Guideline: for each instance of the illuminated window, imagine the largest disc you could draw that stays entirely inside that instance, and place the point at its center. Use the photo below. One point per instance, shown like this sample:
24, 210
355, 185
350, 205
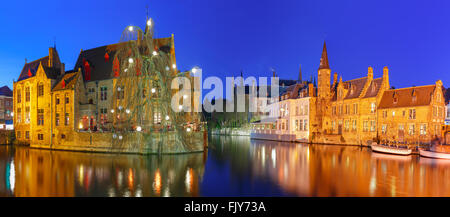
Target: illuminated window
66, 119
19, 115
40, 89
347, 125
412, 129
354, 125
301, 125
19, 96
40, 116
383, 128
27, 114
372, 126
305, 125
373, 107
103, 93
365, 126
355, 108
57, 119
412, 114
27, 94
423, 129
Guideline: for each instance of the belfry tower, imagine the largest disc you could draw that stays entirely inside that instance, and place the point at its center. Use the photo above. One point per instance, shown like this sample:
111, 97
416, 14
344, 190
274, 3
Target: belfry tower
324, 75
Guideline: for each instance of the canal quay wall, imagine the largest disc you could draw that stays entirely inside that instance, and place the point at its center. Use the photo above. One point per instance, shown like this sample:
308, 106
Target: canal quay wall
6, 137
131, 143
231, 132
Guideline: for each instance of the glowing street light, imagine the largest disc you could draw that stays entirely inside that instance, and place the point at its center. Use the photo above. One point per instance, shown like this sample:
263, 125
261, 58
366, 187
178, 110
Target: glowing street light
149, 22
130, 28
138, 128
130, 60
155, 53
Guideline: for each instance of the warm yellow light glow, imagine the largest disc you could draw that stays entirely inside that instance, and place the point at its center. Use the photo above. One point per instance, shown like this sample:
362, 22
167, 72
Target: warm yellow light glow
130, 28
188, 129
112, 110
80, 126
155, 53
167, 117
153, 90
130, 60
138, 128
149, 22
174, 66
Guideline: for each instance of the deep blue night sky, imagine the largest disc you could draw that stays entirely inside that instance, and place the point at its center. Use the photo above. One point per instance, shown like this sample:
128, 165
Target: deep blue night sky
223, 37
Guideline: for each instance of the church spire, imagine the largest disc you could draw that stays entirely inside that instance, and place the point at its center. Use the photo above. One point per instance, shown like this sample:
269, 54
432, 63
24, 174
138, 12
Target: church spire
324, 59
300, 74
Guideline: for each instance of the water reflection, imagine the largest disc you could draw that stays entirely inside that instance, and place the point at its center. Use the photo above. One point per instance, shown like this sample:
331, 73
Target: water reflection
233, 166
33, 172
327, 170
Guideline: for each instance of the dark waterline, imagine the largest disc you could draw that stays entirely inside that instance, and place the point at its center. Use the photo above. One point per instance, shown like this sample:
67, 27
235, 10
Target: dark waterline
233, 166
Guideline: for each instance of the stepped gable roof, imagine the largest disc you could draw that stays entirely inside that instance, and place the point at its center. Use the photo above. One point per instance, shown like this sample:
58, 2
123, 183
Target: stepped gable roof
374, 88
5, 91
356, 84
70, 78
32, 67
101, 68
397, 98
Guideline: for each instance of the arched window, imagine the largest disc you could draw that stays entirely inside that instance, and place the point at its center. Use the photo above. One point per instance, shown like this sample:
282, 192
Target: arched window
41, 89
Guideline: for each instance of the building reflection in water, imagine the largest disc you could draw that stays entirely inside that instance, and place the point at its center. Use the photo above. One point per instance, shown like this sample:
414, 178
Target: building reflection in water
45, 173
331, 170
236, 166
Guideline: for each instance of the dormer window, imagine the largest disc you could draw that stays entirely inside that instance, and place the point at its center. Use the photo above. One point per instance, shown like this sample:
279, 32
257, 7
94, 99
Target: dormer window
414, 96
395, 98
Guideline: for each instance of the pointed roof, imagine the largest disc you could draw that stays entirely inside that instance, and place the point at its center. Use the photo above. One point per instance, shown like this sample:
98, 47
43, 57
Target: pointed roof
30, 69
324, 59
5, 91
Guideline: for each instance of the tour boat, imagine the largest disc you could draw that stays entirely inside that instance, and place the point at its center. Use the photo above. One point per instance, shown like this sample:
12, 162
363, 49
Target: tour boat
434, 154
390, 150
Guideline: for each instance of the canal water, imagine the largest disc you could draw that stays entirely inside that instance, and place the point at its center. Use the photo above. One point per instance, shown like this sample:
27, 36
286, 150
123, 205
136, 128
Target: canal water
233, 166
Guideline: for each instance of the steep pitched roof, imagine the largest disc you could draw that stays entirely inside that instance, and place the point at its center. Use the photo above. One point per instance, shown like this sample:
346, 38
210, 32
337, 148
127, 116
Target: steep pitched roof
397, 98
5, 91
324, 59
374, 88
32, 67
100, 67
355, 87
70, 78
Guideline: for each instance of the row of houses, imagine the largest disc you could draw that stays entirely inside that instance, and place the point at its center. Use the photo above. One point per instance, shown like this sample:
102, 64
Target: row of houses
356, 111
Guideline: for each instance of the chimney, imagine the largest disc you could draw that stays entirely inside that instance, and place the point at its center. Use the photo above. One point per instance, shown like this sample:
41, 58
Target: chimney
63, 69
386, 78
50, 57
370, 73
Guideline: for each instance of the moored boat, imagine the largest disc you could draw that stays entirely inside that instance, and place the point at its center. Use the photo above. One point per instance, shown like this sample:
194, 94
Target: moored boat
390, 149
434, 154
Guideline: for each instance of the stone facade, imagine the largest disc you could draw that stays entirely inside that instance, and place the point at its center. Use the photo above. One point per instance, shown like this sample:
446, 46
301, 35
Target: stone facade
74, 110
364, 110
